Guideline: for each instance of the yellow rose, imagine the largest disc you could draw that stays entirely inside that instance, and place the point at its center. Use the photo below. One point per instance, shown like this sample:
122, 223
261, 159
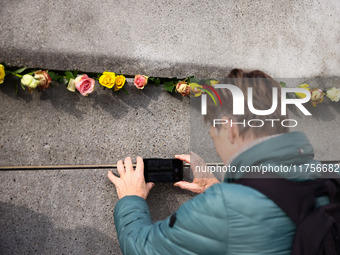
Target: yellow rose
196, 89
213, 82
107, 79
303, 86
2, 74
119, 83
333, 94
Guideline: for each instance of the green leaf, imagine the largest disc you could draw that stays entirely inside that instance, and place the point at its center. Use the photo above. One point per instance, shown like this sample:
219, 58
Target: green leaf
125, 91
20, 70
69, 75
75, 73
193, 80
157, 81
283, 84
55, 77
169, 86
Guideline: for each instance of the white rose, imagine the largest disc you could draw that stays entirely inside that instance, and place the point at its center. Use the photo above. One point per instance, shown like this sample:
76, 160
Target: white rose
26, 79
29, 81
71, 85
333, 94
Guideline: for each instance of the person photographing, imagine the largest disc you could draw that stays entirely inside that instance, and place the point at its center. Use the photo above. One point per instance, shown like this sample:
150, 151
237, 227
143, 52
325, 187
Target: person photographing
225, 217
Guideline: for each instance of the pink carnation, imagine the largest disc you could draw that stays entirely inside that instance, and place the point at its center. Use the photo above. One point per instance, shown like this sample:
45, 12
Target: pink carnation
84, 84
140, 81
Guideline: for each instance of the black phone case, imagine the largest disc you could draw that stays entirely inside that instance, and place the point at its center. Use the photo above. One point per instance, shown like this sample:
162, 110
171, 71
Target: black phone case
163, 170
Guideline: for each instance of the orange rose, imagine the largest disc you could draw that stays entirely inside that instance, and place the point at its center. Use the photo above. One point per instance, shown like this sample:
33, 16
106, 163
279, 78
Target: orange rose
183, 88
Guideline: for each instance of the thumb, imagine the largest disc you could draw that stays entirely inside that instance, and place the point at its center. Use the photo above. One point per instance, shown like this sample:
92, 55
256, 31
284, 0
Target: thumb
191, 186
112, 177
149, 186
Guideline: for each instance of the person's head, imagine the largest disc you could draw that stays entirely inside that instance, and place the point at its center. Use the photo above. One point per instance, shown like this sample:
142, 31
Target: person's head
228, 138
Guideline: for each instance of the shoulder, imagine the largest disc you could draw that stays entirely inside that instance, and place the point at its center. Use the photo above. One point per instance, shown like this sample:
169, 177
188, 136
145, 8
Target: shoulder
227, 199
235, 203
240, 219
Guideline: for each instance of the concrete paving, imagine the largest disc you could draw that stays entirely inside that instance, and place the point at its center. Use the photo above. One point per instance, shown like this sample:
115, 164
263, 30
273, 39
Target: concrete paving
64, 212
61, 127
67, 212
173, 38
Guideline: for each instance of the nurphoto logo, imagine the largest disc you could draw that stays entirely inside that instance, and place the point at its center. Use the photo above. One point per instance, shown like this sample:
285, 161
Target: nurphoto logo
239, 105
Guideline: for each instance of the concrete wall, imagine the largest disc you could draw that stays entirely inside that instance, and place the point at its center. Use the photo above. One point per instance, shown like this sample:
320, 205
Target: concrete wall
174, 38
71, 211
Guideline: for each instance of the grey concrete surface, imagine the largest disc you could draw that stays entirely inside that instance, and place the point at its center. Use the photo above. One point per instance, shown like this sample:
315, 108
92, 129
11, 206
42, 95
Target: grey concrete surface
67, 212
71, 212
60, 127
174, 38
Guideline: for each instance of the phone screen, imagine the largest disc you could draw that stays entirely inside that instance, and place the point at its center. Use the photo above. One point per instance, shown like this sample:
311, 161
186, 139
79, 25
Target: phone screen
163, 170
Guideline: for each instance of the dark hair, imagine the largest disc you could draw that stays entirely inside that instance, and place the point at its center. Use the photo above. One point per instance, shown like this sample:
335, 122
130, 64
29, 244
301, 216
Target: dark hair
262, 85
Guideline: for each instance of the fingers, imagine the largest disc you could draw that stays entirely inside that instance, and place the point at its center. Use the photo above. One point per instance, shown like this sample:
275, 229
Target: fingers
194, 187
120, 168
128, 164
140, 166
112, 177
149, 186
184, 157
196, 160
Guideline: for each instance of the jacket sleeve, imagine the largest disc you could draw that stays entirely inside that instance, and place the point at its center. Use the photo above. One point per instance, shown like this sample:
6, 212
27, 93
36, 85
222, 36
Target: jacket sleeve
200, 226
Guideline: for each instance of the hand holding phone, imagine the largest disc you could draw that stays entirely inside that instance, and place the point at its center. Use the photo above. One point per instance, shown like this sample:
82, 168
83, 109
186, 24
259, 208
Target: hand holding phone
202, 180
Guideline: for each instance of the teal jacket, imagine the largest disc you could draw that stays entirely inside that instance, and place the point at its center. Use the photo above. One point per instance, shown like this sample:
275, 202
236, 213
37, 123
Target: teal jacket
227, 218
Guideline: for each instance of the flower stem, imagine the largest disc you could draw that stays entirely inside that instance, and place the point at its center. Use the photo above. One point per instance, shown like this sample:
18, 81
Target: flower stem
17, 75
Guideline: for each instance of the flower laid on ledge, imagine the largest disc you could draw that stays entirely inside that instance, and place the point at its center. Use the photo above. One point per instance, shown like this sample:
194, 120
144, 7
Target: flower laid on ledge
107, 79
71, 86
2, 74
28, 81
333, 94
140, 81
196, 89
183, 88
40, 80
43, 78
85, 83
119, 82
317, 95
302, 86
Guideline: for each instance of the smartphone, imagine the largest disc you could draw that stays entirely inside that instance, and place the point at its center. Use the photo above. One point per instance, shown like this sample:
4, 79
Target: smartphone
163, 170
